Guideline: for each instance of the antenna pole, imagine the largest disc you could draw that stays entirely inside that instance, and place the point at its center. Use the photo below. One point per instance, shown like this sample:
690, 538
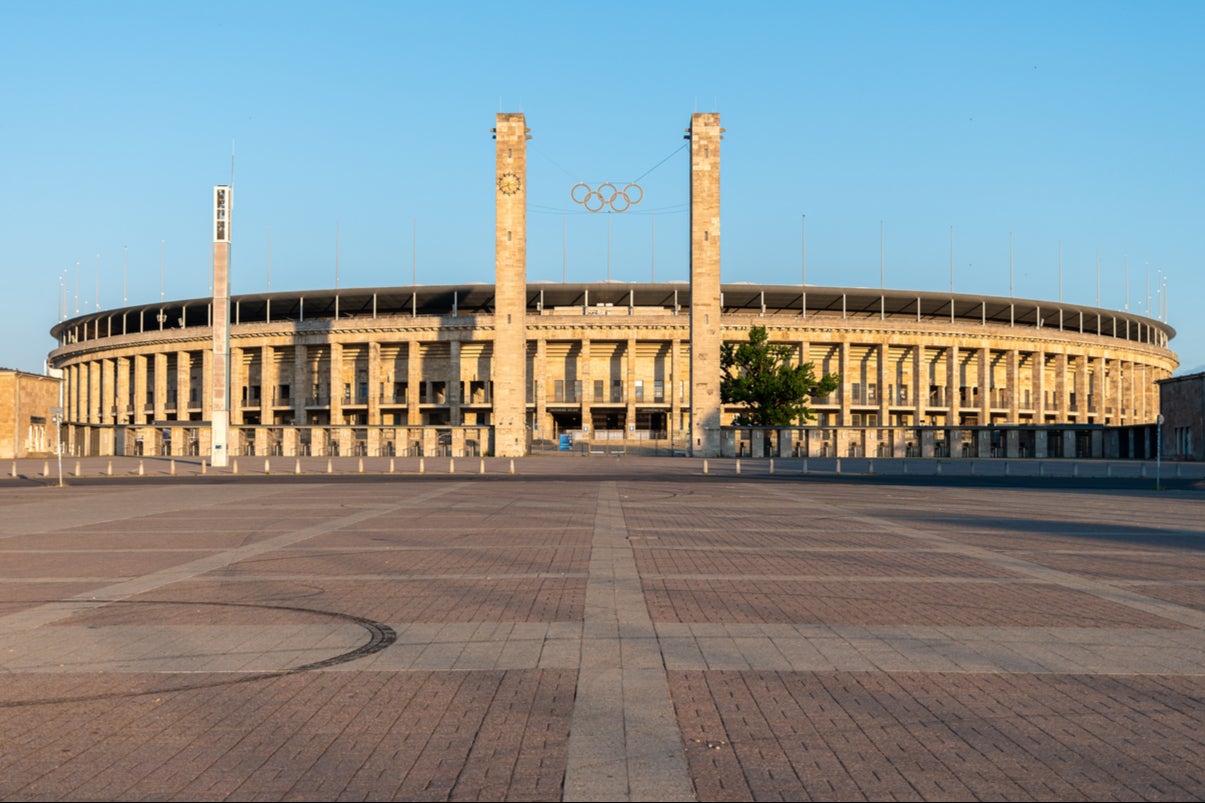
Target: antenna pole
654, 247
951, 259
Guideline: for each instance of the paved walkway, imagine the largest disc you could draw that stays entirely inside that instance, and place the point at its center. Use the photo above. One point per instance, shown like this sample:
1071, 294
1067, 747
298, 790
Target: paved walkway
592, 629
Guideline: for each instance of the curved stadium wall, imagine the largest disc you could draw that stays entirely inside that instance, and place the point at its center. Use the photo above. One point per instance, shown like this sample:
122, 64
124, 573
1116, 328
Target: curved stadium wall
413, 370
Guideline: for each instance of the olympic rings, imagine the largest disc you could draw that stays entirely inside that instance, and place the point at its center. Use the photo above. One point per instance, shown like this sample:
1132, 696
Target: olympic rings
607, 195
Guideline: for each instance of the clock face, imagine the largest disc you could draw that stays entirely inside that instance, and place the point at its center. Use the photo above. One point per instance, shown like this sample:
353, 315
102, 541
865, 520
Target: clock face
508, 183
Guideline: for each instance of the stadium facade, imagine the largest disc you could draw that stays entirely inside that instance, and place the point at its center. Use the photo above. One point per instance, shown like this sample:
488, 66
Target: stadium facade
499, 368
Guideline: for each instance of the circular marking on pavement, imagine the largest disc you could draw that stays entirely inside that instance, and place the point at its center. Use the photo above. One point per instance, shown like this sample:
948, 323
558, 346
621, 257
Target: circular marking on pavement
380, 636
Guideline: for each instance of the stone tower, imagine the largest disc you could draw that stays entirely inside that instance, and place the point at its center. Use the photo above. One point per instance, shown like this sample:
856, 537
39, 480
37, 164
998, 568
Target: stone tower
220, 380
705, 332
510, 286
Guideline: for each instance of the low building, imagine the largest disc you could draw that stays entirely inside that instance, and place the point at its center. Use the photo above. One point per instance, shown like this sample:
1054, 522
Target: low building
27, 404
1182, 402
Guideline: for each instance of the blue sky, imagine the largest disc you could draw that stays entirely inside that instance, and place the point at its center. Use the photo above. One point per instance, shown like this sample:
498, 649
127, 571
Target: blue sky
1059, 125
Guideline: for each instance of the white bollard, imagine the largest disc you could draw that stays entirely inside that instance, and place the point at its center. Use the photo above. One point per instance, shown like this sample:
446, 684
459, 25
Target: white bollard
704, 465
330, 467
267, 466
171, 467
297, 465
870, 466
204, 466
140, 469
45, 469
360, 466
771, 465
512, 465
391, 465
451, 465
482, 471
110, 472
738, 465
422, 465
234, 466
838, 465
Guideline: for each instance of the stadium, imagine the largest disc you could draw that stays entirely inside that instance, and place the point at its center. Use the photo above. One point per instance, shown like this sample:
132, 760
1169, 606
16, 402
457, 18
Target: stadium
512, 366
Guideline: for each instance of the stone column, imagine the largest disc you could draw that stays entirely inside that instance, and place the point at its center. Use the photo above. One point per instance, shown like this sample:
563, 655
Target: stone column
454, 400
843, 392
302, 385
920, 383
1012, 377
539, 393
124, 400
510, 285
705, 325
335, 379
94, 402
881, 380
183, 386
986, 377
108, 392
374, 385
160, 387
676, 374
269, 375
1082, 394
73, 386
630, 382
1039, 386
414, 381
238, 387
1062, 392
953, 387
585, 370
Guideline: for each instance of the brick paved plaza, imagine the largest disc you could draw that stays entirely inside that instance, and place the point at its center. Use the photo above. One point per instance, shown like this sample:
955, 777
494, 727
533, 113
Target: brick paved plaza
599, 629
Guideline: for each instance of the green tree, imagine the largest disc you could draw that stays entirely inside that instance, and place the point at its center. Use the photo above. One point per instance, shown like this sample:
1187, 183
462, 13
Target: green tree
759, 375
